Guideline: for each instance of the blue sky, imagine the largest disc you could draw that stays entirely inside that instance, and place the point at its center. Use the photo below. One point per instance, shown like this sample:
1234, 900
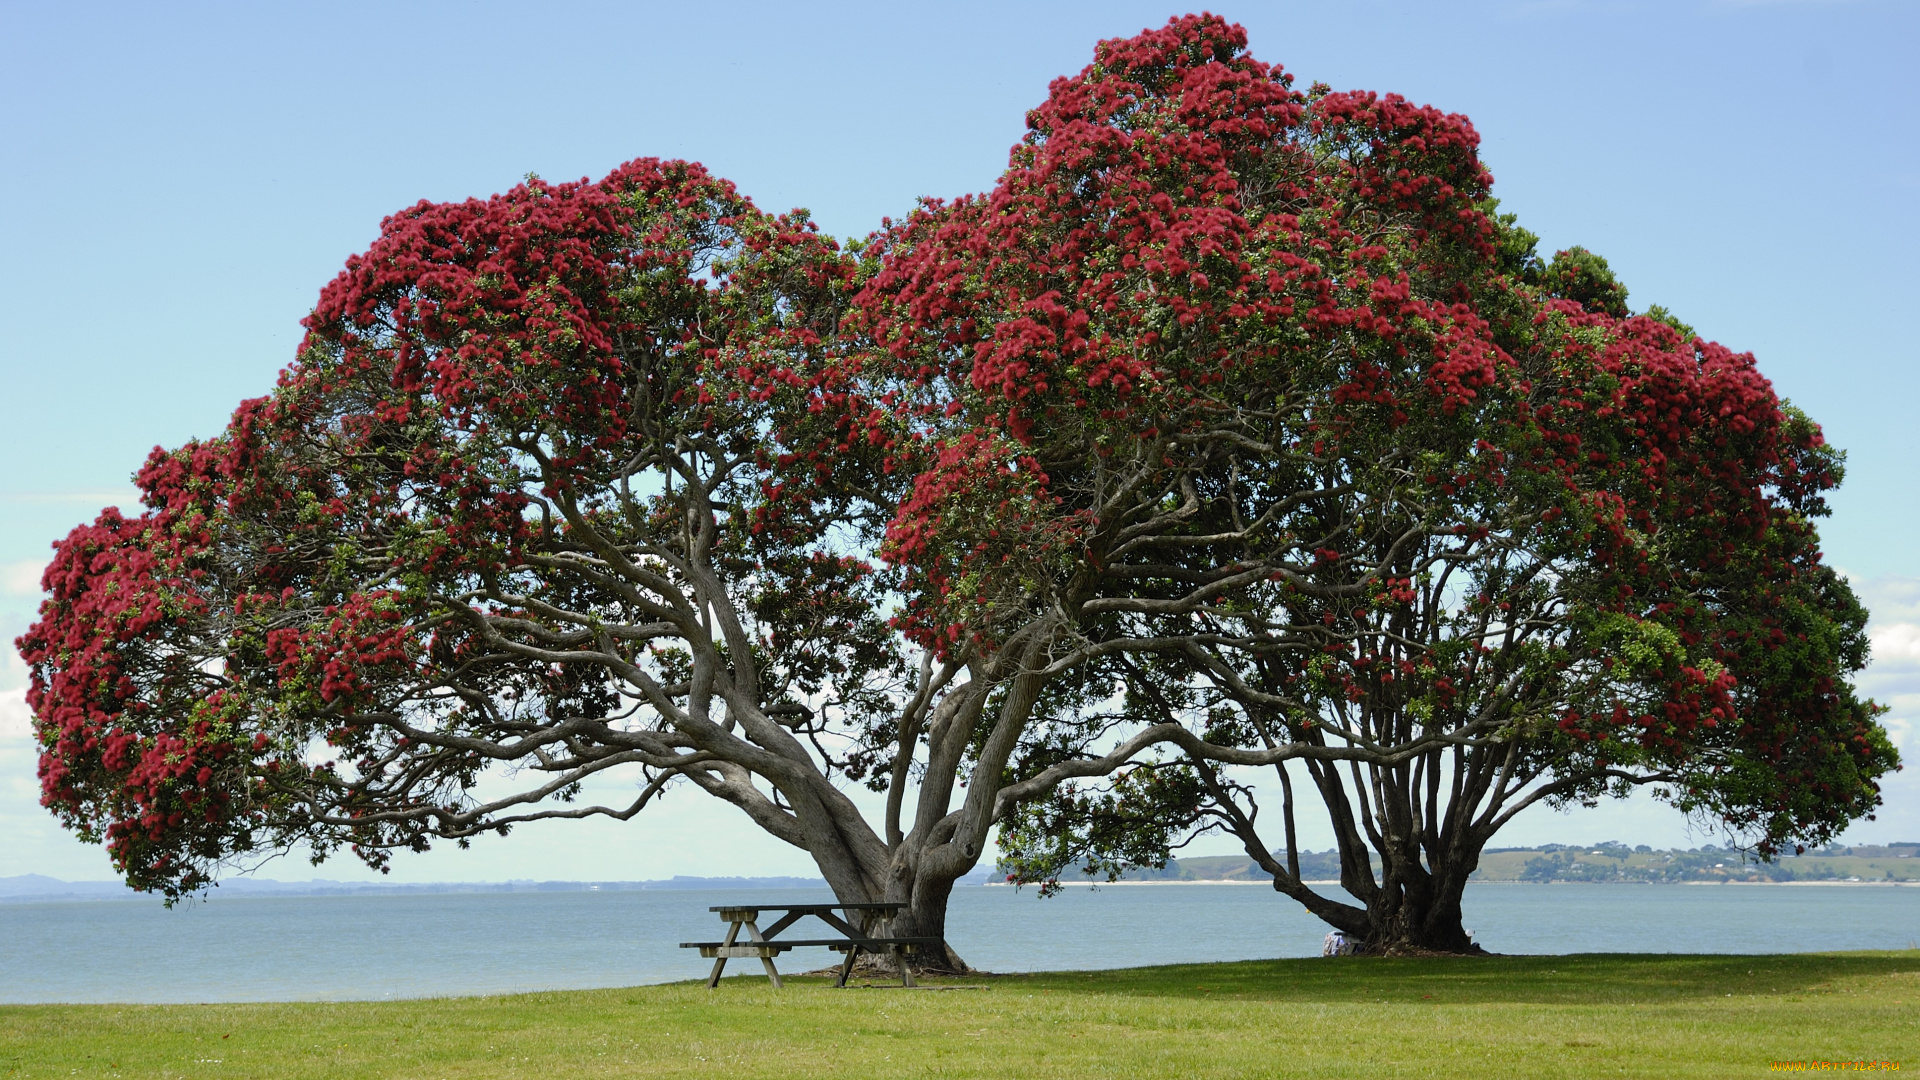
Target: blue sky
179, 181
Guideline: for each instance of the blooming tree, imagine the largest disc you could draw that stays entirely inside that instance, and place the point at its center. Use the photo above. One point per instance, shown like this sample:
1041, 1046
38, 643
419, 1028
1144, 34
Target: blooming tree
1232, 430
542, 504
1297, 458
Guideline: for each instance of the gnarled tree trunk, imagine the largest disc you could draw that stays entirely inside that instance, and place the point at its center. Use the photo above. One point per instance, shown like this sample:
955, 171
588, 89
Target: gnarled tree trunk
1409, 885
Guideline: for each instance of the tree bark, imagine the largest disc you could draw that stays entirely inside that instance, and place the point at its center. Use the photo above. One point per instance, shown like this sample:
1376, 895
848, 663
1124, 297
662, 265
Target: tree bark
1410, 905
1420, 913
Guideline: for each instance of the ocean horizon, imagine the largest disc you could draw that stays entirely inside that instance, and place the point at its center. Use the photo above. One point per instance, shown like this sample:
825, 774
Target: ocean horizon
346, 947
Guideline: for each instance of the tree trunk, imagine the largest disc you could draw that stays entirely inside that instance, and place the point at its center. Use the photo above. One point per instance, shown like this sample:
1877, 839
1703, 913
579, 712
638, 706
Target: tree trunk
926, 916
1416, 908
1409, 906
1416, 919
921, 881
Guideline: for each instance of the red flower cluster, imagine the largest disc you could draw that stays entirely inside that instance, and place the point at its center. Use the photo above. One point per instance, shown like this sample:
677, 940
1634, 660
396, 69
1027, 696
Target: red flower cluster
1219, 371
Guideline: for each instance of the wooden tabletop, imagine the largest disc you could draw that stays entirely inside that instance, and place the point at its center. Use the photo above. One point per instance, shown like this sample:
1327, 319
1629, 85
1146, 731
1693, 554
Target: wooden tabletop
806, 907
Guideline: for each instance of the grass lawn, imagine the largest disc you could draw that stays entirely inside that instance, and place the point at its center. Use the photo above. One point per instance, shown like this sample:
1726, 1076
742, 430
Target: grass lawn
1573, 1016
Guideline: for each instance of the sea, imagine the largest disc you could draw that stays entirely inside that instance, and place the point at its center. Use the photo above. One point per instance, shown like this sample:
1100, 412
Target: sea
371, 947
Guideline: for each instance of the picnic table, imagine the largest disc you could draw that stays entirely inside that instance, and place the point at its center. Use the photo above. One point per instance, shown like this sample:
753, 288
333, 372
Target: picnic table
761, 943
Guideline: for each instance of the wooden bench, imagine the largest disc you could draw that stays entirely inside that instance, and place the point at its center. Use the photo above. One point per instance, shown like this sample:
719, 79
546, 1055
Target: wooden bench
760, 944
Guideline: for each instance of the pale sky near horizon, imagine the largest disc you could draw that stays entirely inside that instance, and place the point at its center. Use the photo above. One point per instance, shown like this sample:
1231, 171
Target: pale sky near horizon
179, 183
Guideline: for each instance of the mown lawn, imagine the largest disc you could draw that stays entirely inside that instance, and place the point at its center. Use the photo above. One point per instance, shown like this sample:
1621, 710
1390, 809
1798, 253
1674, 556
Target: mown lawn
1572, 1016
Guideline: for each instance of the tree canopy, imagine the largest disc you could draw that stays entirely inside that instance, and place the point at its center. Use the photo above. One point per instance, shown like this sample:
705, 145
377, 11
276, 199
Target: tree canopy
1234, 429
1350, 477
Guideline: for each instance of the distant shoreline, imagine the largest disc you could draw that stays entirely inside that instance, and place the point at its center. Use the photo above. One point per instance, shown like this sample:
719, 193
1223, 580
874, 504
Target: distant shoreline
1558, 865
1478, 881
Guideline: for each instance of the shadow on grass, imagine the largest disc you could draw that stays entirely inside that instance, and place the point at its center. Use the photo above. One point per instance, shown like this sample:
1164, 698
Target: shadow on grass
1598, 978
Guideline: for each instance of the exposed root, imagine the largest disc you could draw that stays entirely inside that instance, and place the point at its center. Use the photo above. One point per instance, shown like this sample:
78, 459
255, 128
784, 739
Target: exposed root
869, 966
1417, 950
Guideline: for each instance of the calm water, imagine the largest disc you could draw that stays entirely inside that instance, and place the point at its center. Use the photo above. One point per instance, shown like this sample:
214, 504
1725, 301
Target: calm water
358, 947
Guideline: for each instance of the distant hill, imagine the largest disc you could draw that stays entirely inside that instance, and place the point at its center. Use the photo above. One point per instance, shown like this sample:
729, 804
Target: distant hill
1607, 862
1610, 862
1618, 863
36, 887
40, 887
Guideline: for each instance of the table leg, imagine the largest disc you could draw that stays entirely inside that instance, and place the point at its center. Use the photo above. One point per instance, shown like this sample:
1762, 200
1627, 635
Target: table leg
846, 969
906, 973
773, 975
720, 962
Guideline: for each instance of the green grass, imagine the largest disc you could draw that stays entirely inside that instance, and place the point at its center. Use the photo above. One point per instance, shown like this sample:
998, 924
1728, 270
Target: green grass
1572, 1016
